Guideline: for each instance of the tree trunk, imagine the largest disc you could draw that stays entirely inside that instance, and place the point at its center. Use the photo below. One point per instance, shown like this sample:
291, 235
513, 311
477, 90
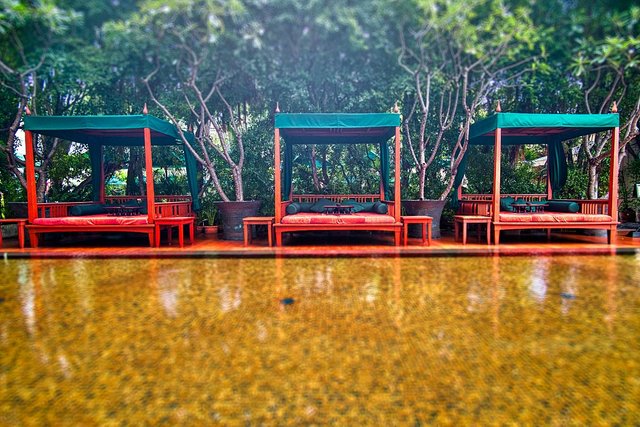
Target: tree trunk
135, 184
592, 189
423, 174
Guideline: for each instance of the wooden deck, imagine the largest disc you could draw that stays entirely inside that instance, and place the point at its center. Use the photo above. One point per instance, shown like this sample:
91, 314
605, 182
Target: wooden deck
322, 245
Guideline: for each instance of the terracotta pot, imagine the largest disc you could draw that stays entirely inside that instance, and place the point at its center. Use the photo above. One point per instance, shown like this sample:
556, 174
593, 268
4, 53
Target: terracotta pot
208, 230
432, 208
232, 213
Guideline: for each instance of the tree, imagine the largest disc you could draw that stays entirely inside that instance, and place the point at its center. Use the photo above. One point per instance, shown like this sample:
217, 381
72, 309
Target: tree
456, 55
27, 33
606, 67
196, 77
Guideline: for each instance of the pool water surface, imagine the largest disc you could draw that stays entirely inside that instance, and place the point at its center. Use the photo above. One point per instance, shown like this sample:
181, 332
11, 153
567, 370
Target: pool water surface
348, 341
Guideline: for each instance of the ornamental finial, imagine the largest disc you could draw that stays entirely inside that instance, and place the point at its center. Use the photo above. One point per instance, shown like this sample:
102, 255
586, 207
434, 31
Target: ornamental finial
614, 107
26, 110
145, 110
498, 107
277, 107
396, 109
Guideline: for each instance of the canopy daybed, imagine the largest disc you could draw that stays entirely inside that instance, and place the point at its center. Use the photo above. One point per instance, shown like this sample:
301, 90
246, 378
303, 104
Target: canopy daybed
329, 128
96, 132
549, 129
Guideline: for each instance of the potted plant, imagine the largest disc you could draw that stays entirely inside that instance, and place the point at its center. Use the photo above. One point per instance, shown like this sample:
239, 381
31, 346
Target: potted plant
207, 219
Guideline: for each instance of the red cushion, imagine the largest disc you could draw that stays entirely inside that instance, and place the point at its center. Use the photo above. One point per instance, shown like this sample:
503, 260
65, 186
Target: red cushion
321, 218
93, 220
553, 217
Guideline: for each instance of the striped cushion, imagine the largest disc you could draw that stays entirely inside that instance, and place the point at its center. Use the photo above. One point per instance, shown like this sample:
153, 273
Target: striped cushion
93, 220
553, 217
356, 218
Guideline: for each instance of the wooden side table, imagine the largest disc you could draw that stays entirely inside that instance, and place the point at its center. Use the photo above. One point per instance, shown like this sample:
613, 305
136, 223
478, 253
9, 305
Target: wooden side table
424, 221
463, 220
20, 223
250, 221
175, 221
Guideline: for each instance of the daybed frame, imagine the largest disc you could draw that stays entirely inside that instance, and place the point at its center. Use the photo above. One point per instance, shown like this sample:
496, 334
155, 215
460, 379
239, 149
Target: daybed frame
329, 128
529, 128
395, 228
178, 206
117, 130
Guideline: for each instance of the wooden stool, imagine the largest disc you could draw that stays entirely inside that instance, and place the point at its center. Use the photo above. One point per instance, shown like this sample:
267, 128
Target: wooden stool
175, 221
464, 220
20, 223
257, 220
425, 222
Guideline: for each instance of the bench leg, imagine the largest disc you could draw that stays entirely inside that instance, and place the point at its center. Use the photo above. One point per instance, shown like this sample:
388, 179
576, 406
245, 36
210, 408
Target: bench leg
456, 230
33, 238
246, 230
405, 233
488, 234
181, 235
156, 236
428, 234
270, 234
192, 232
20, 235
397, 237
612, 235
464, 232
496, 235
278, 237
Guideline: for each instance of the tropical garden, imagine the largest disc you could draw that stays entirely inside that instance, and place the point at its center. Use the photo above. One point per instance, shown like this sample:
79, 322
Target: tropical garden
221, 67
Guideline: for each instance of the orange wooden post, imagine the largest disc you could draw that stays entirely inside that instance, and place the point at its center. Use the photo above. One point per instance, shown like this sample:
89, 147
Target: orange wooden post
396, 185
102, 184
278, 188
149, 172
496, 174
613, 175
549, 189
30, 170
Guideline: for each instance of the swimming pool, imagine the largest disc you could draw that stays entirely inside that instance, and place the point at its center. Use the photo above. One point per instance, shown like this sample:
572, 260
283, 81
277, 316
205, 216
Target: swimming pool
352, 341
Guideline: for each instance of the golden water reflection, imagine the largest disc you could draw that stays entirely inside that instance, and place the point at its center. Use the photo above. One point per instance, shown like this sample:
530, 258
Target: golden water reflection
297, 341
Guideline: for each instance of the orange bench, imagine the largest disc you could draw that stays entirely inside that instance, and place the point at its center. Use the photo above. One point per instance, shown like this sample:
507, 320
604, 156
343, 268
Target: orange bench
20, 223
250, 221
424, 221
461, 221
175, 221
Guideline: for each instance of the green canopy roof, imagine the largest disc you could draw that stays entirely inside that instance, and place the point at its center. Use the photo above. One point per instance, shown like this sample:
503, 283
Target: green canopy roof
106, 130
337, 128
527, 128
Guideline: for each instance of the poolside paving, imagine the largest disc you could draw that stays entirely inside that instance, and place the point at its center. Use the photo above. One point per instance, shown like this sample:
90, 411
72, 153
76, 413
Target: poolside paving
324, 244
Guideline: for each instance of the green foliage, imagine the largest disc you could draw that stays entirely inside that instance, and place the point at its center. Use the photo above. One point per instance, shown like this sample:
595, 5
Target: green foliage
519, 177
314, 56
576, 186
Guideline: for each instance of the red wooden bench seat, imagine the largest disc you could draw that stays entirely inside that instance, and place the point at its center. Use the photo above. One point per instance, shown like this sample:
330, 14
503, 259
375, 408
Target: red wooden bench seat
93, 220
363, 221
355, 218
553, 217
